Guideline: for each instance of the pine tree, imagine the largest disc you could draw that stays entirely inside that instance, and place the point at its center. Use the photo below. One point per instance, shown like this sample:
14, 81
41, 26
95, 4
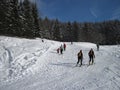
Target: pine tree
14, 18
46, 28
28, 19
4, 16
36, 31
69, 34
56, 32
75, 31
21, 18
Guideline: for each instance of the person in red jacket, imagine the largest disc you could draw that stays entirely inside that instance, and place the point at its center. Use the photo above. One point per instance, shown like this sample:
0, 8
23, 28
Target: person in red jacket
58, 50
64, 45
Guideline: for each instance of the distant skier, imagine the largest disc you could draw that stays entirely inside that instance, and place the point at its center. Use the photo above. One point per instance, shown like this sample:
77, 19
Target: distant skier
61, 49
97, 47
58, 50
80, 58
42, 40
91, 56
64, 45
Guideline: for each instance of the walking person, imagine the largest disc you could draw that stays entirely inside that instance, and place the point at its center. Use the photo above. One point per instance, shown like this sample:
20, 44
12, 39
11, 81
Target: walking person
80, 58
58, 50
42, 40
91, 56
61, 49
97, 46
64, 45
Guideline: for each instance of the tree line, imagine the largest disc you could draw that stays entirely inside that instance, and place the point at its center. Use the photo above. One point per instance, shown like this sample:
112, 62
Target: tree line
20, 18
106, 32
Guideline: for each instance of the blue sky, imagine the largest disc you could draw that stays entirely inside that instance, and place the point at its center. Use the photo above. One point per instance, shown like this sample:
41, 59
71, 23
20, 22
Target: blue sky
80, 10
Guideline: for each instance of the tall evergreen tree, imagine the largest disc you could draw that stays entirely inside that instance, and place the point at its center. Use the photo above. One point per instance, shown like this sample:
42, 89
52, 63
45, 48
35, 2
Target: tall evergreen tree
86, 32
46, 27
75, 31
29, 20
4, 16
56, 32
21, 18
14, 16
36, 31
69, 36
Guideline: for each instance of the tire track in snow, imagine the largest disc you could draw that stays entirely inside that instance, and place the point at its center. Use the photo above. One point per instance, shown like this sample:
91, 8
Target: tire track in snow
9, 58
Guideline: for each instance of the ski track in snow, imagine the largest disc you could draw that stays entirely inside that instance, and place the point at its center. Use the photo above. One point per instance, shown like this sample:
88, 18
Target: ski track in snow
33, 65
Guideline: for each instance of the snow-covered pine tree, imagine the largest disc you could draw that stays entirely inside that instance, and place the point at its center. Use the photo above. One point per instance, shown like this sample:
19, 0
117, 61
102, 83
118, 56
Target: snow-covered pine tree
56, 32
36, 27
28, 19
15, 19
75, 30
68, 32
4, 16
22, 18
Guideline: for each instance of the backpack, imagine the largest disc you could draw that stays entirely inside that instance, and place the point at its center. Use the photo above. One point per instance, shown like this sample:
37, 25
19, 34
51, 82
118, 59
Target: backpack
91, 53
79, 54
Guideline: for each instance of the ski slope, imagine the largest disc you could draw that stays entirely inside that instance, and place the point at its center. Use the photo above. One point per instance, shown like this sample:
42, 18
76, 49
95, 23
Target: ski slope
35, 65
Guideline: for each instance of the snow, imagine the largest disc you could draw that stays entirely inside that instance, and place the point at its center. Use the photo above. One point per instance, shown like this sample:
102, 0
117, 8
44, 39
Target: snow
30, 64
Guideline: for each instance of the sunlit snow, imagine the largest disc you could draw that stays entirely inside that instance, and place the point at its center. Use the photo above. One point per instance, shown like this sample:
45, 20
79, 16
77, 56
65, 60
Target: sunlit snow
30, 64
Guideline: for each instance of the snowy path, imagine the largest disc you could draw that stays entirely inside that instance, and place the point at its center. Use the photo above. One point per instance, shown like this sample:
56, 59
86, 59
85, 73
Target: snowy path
52, 71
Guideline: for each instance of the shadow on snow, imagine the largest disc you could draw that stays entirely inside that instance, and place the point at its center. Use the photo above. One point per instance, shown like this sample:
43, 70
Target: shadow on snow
64, 64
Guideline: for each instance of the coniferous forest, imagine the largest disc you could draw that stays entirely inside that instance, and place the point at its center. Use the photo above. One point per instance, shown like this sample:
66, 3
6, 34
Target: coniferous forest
20, 18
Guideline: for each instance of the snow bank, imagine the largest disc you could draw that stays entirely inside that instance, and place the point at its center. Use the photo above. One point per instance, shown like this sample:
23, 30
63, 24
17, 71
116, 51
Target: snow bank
18, 55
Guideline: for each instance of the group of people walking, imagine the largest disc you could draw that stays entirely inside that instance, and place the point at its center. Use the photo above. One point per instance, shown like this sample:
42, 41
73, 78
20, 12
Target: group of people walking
90, 54
61, 48
80, 54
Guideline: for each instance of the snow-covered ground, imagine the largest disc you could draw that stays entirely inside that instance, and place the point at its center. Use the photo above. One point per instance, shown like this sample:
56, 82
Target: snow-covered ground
34, 65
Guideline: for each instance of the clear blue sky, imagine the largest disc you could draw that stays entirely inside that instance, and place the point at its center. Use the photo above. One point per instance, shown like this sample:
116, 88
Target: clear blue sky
80, 10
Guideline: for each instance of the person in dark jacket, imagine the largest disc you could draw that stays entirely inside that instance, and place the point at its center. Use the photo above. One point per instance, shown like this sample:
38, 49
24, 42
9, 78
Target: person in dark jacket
80, 58
61, 49
97, 46
91, 56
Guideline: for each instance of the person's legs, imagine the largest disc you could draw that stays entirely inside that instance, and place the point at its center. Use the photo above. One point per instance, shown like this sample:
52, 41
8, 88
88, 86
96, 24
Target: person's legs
81, 62
92, 60
64, 48
78, 61
61, 51
89, 60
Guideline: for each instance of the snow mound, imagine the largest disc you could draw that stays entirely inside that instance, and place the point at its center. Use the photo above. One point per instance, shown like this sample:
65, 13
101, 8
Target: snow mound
18, 55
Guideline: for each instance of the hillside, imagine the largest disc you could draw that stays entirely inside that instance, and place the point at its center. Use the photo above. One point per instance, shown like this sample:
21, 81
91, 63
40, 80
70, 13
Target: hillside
35, 65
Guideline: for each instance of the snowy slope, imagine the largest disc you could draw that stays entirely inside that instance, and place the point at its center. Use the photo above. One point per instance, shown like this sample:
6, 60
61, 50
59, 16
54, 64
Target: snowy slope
34, 65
